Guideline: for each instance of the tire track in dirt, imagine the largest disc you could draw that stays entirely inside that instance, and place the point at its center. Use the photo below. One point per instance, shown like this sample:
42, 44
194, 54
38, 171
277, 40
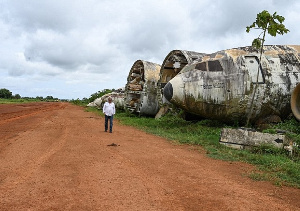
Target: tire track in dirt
59, 160
192, 181
12, 125
26, 169
7, 116
153, 188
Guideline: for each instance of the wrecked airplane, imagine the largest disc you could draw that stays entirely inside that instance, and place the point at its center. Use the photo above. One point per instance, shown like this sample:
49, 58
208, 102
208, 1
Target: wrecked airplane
221, 85
117, 97
141, 88
172, 65
295, 102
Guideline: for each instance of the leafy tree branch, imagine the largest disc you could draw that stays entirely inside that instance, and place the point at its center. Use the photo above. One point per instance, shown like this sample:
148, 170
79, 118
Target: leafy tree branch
271, 24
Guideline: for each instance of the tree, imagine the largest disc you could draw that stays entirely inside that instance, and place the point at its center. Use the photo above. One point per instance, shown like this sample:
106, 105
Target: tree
17, 96
49, 98
39, 97
99, 94
5, 93
267, 23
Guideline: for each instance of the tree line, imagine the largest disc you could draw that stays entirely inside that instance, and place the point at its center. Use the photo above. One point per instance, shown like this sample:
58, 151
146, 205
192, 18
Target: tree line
7, 94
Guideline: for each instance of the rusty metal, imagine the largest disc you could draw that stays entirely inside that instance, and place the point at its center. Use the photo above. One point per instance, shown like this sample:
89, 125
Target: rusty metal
141, 88
221, 85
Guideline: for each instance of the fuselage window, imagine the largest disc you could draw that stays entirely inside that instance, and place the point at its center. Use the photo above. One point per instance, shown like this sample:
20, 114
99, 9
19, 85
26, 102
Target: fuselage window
201, 66
214, 66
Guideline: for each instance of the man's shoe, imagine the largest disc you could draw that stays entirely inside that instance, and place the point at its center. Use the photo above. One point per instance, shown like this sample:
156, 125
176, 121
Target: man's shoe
110, 131
106, 131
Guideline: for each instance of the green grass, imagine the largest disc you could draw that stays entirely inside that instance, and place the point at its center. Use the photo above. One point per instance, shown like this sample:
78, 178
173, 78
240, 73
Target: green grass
82, 103
272, 164
9, 101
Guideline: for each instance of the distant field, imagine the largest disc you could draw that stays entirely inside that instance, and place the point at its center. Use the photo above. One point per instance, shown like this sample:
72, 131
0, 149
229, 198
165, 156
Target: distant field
8, 101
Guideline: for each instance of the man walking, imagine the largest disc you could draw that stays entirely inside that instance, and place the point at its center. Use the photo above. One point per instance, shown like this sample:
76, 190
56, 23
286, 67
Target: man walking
109, 110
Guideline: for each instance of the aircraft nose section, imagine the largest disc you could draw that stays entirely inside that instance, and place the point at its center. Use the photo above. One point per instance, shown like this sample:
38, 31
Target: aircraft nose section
168, 91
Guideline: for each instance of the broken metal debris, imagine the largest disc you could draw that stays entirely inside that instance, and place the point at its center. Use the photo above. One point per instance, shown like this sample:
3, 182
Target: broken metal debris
244, 138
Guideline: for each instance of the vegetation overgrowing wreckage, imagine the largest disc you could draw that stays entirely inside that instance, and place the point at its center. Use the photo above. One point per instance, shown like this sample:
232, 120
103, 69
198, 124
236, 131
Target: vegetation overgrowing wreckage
271, 24
273, 164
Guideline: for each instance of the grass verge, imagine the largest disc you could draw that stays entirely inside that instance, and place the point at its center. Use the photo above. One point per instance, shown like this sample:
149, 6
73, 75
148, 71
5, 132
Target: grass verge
272, 164
10, 101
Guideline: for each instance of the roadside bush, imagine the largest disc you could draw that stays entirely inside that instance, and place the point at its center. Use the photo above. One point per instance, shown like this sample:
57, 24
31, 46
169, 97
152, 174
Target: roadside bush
5, 93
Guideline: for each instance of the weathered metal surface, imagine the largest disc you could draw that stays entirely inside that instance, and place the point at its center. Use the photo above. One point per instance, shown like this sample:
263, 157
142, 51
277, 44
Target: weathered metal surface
172, 65
141, 88
244, 138
221, 85
295, 102
117, 97
92, 104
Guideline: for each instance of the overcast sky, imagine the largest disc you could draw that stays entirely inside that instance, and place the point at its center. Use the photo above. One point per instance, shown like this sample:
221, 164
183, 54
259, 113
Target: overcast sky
73, 48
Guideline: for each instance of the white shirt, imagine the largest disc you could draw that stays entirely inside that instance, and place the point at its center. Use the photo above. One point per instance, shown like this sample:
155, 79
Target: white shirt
109, 109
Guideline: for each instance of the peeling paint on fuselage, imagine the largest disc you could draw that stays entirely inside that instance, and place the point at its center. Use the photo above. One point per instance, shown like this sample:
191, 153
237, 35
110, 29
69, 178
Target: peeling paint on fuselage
221, 85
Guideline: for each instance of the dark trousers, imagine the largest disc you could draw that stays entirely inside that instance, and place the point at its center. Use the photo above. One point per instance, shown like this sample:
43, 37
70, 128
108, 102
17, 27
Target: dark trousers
110, 118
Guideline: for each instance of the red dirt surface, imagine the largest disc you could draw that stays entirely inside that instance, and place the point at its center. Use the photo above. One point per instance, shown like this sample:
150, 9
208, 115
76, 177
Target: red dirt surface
55, 156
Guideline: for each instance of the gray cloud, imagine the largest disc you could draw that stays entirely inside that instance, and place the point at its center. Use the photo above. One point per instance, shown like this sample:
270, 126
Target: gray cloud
91, 45
32, 15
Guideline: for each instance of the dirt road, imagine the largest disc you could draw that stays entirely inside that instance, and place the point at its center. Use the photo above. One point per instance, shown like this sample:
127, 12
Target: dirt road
55, 156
